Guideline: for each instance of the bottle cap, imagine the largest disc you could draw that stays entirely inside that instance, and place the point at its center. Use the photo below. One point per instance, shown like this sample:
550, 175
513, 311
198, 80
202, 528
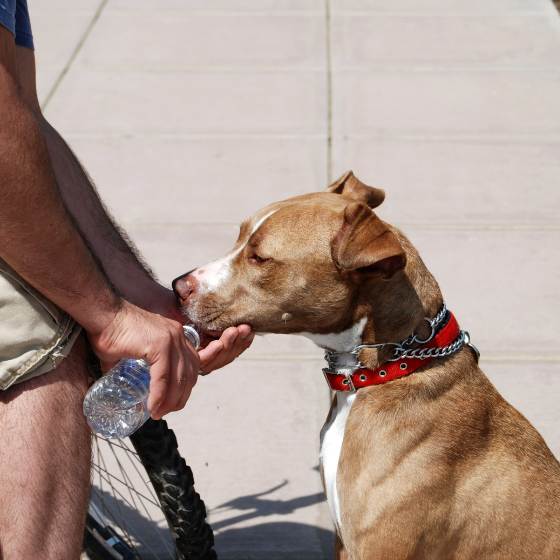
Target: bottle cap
192, 336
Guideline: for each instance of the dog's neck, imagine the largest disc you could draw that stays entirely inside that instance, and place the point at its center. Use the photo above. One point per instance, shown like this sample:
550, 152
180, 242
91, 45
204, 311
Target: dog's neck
342, 344
385, 311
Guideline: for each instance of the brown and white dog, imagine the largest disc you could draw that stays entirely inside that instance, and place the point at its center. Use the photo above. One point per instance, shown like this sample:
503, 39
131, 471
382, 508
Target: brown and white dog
431, 465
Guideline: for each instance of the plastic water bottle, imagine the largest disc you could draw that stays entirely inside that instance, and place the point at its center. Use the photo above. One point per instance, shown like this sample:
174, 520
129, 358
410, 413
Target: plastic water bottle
116, 405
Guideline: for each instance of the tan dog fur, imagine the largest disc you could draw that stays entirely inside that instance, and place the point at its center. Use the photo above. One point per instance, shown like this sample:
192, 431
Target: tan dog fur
435, 465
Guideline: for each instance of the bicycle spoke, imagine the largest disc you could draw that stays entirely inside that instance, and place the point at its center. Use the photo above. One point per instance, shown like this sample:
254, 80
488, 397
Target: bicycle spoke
132, 491
134, 462
111, 475
107, 510
122, 445
142, 542
128, 484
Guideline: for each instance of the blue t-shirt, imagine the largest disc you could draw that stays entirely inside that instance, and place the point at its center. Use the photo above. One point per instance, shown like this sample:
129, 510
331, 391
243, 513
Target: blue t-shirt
14, 16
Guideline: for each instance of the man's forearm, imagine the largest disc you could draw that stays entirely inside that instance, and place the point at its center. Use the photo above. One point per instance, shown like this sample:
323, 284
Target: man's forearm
114, 251
37, 236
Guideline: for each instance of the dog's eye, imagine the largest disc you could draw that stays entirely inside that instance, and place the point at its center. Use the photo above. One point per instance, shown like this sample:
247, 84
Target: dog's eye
257, 259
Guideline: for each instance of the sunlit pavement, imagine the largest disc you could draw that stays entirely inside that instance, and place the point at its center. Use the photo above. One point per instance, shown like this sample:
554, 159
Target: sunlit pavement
189, 119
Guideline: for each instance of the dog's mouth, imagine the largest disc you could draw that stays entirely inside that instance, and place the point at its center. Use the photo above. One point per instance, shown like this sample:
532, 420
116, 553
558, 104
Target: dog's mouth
209, 324
207, 335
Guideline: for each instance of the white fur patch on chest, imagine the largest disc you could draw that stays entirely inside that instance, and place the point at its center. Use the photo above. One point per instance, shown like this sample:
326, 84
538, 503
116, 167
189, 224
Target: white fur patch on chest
331, 446
332, 434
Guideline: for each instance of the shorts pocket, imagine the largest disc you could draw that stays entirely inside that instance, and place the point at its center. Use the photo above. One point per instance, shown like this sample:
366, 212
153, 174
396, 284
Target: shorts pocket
31, 328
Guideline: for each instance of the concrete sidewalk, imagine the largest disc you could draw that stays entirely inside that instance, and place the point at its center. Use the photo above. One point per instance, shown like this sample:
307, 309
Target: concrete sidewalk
190, 119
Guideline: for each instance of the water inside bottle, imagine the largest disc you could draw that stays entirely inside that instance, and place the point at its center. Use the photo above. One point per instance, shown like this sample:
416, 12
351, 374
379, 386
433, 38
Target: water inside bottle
116, 404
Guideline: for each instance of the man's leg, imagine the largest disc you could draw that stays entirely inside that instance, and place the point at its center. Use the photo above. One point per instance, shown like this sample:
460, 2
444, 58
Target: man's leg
45, 455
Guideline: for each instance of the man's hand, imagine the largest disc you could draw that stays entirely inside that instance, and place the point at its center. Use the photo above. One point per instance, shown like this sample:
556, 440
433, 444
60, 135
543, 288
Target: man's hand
233, 342
219, 353
174, 364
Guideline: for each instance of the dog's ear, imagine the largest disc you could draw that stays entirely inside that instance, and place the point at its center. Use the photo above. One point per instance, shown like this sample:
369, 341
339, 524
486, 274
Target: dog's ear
351, 187
364, 244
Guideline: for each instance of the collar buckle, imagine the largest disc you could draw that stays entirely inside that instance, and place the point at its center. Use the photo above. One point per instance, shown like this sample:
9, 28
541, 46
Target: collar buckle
347, 381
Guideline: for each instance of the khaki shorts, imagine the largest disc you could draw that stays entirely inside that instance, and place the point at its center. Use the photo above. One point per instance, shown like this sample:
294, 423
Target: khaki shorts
35, 335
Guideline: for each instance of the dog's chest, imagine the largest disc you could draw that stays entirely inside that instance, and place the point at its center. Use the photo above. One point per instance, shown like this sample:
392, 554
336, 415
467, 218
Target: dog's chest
332, 436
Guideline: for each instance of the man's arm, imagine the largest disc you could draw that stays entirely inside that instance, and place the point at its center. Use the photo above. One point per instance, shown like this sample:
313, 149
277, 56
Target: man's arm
37, 236
115, 252
40, 242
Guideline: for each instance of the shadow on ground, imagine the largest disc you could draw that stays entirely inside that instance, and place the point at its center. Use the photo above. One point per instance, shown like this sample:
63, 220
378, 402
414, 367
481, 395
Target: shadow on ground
271, 540
275, 541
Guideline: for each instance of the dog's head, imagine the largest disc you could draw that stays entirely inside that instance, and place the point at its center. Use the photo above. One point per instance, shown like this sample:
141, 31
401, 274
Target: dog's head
298, 265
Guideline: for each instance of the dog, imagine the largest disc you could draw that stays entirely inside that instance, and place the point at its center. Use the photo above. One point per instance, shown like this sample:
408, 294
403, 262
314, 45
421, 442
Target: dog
421, 457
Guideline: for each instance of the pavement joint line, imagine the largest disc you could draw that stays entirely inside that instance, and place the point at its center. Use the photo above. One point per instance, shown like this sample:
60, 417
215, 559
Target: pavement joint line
343, 12
126, 135
512, 138
505, 139
381, 65
441, 15
397, 66
161, 70
328, 55
81, 42
428, 226
222, 13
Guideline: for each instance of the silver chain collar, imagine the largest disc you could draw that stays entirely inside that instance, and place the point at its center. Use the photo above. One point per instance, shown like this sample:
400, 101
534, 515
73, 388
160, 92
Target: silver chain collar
402, 350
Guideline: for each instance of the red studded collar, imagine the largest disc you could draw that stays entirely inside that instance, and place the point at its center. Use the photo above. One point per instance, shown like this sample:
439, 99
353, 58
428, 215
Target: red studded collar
446, 338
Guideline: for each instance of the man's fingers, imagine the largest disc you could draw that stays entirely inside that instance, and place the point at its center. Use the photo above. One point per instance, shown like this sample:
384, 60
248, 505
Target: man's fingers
244, 331
187, 376
159, 387
177, 382
183, 363
245, 342
207, 354
228, 338
185, 395
221, 352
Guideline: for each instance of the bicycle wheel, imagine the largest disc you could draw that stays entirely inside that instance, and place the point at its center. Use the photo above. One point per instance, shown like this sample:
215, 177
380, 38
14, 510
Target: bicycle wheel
143, 503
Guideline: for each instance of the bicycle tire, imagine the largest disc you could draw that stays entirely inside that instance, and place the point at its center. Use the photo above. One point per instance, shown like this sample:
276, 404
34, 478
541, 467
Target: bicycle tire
173, 483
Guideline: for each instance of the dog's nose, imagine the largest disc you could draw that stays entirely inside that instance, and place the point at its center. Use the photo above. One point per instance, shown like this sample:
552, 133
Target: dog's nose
184, 286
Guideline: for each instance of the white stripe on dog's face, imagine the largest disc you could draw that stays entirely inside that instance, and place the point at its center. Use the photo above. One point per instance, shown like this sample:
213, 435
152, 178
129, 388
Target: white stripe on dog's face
215, 274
